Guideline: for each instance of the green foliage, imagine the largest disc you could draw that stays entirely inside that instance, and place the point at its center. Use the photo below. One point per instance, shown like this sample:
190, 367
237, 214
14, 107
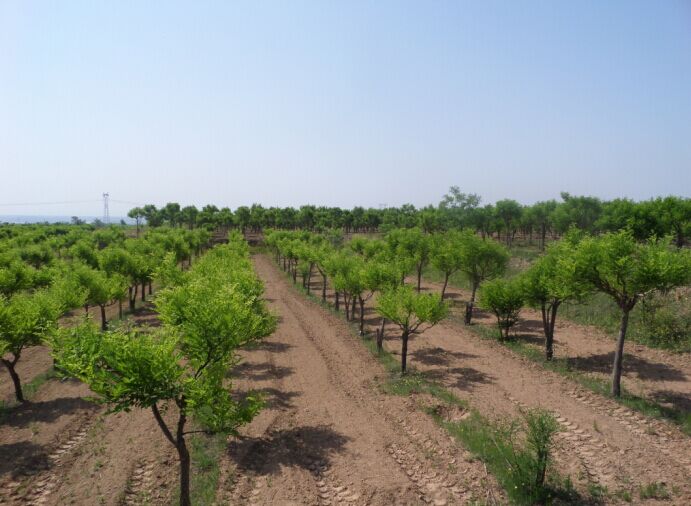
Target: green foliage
504, 298
482, 260
517, 452
654, 490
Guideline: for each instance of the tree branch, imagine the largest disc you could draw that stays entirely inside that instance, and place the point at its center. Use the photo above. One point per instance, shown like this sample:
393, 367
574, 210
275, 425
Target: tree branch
163, 426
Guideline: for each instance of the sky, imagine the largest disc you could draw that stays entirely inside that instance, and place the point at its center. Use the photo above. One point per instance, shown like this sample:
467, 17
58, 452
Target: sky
340, 102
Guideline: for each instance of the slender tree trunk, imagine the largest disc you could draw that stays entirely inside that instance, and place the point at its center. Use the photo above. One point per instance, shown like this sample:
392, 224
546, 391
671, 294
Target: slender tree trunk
185, 464
419, 276
446, 282
133, 296
323, 287
295, 272
143, 291
362, 316
404, 351
353, 306
18, 393
619, 354
380, 335
469, 306
104, 322
337, 301
120, 308
309, 278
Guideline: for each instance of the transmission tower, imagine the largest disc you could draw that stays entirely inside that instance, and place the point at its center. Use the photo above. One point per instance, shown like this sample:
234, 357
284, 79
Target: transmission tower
106, 213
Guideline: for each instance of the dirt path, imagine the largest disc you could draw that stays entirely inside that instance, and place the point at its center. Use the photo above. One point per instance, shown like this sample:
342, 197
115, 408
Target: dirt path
328, 436
657, 374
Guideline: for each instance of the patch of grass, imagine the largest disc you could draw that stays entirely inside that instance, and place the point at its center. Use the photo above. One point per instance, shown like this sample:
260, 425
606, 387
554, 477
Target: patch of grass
511, 463
205, 451
597, 385
654, 490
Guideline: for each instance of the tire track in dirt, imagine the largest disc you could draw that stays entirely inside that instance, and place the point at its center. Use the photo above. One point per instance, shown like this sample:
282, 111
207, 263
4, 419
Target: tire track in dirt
388, 452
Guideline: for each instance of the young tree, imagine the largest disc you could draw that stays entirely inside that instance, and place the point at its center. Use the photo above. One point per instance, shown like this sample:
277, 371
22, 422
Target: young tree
411, 244
480, 261
410, 311
447, 255
627, 271
505, 299
25, 320
136, 213
215, 310
551, 281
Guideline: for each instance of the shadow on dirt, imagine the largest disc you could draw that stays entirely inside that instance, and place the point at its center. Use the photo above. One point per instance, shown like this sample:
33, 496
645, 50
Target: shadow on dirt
259, 372
296, 447
463, 378
674, 400
633, 366
45, 411
438, 356
21, 456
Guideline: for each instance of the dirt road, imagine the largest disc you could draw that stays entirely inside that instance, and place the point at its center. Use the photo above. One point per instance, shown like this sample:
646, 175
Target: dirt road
328, 435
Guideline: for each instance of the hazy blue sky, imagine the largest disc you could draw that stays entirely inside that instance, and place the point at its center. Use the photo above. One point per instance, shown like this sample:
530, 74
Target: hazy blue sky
341, 103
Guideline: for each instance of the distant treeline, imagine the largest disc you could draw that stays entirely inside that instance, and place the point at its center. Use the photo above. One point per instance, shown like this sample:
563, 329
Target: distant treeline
505, 220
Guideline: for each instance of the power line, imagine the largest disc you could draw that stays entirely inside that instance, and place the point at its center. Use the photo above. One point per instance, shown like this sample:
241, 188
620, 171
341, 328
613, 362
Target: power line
17, 204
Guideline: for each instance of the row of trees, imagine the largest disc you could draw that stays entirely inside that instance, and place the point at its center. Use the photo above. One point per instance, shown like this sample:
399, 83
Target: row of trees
506, 219
207, 312
364, 267
615, 264
44, 274
571, 269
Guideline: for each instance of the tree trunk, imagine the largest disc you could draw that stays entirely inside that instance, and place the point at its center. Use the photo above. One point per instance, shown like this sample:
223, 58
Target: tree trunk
469, 306
185, 464
446, 282
295, 273
18, 393
120, 308
404, 351
353, 306
144, 292
419, 276
309, 279
104, 322
323, 288
362, 316
380, 335
133, 296
619, 354
337, 301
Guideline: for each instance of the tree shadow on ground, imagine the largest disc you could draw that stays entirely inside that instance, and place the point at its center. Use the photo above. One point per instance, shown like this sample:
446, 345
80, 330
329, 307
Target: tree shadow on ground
674, 400
463, 378
633, 366
438, 356
259, 372
22, 456
295, 447
45, 411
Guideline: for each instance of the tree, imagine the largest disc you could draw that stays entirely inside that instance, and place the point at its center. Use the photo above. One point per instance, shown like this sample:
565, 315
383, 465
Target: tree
25, 320
447, 255
627, 271
480, 261
188, 216
509, 212
413, 244
505, 299
136, 213
551, 281
410, 311
216, 309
